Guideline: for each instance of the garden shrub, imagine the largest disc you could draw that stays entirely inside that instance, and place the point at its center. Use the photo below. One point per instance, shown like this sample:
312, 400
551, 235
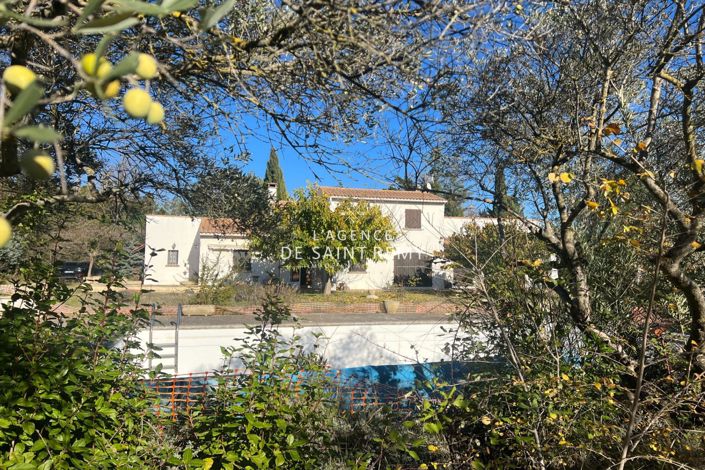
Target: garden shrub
278, 414
69, 396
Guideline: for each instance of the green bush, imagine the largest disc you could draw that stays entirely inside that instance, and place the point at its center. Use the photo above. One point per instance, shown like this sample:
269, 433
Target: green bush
563, 400
276, 415
70, 397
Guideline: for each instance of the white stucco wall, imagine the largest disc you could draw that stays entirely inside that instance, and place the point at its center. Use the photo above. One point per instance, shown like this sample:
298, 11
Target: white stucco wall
379, 275
165, 232
341, 345
182, 234
453, 225
217, 255
426, 240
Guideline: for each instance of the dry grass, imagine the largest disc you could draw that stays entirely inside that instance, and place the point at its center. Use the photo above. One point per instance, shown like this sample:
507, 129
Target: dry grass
248, 295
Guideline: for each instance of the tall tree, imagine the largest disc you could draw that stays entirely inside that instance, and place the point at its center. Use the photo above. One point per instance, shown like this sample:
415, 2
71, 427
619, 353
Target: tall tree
448, 186
599, 115
229, 193
503, 203
308, 234
274, 174
276, 62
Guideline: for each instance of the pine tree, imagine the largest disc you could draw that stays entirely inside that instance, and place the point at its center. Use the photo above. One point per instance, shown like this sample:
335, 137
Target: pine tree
273, 174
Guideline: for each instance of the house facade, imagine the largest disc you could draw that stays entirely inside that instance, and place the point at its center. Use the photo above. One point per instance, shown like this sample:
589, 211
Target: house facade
184, 250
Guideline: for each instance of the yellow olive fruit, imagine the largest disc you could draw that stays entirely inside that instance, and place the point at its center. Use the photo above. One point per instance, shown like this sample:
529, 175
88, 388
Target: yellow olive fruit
156, 113
18, 77
111, 89
89, 64
137, 102
37, 164
146, 67
5, 231
104, 69
94, 66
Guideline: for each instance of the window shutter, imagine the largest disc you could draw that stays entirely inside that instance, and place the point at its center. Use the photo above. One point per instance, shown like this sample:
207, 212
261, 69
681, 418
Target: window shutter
413, 218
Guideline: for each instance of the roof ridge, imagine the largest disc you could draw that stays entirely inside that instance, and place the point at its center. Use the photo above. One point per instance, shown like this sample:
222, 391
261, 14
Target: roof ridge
368, 193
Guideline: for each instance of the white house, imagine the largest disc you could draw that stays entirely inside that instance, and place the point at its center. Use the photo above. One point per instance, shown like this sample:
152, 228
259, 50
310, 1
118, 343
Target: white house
191, 249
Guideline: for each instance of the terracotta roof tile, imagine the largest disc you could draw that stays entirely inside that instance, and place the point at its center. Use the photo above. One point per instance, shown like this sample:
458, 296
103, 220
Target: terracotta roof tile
384, 194
218, 226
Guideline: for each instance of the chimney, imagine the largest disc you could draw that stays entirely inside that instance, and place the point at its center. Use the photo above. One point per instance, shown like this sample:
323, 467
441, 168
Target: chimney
272, 190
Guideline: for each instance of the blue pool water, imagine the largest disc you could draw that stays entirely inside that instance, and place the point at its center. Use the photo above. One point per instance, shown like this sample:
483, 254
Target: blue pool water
398, 384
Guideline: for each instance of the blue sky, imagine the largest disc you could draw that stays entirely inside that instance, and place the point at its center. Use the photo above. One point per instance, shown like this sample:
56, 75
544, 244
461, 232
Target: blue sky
367, 162
298, 172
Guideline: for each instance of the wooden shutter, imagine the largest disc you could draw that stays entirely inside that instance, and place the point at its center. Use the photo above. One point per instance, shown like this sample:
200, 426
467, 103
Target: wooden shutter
413, 219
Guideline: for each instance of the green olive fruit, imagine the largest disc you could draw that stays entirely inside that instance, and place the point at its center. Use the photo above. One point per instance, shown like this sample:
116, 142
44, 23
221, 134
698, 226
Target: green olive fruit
146, 67
5, 231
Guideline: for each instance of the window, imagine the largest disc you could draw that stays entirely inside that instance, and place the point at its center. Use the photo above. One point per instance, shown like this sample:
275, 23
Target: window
413, 269
294, 275
413, 219
172, 258
242, 260
358, 268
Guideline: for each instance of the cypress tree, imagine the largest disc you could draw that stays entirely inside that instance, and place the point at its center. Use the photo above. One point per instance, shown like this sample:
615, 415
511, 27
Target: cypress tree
273, 174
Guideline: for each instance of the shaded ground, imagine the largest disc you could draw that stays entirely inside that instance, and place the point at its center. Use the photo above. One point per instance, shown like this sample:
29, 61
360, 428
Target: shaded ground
312, 319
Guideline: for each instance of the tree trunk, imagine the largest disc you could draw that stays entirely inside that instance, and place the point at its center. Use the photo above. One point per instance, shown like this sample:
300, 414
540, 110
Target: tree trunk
581, 302
89, 272
696, 306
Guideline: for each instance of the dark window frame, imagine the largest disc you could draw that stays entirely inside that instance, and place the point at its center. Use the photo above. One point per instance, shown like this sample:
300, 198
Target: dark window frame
169, 254
295, 275
247, 268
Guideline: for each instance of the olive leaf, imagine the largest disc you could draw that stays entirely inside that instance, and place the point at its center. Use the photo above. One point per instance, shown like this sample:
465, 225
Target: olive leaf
125, 67
39, 134
24, 103
107, 24
211, 16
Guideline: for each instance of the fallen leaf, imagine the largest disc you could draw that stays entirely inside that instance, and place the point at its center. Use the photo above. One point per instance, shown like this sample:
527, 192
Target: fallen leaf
592, 205
613, 207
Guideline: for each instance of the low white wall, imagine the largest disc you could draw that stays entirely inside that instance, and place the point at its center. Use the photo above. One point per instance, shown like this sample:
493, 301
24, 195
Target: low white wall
341, 345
